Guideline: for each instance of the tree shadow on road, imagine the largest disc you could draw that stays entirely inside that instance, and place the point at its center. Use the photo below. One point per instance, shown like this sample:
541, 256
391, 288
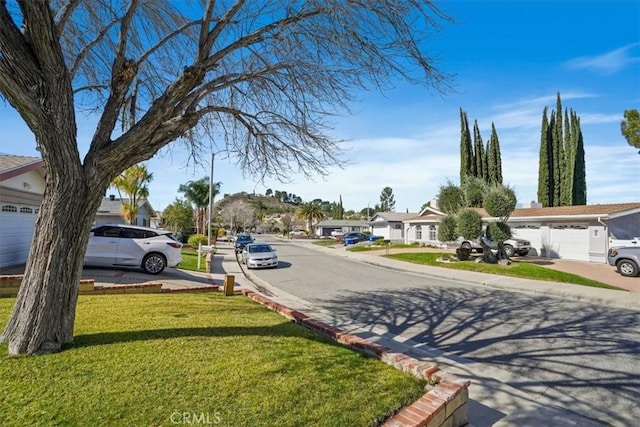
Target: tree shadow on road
586, 352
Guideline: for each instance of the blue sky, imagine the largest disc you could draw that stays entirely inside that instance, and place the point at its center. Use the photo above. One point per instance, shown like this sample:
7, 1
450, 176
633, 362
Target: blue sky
510, 59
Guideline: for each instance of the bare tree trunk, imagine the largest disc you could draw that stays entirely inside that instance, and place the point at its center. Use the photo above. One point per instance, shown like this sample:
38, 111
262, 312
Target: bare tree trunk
44, 313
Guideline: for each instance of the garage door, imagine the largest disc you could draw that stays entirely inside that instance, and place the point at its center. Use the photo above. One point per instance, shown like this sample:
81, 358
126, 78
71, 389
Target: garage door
17, 223
532, 234
570, 241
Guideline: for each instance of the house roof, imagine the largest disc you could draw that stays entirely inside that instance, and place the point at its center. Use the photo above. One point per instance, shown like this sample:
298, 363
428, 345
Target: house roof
342, 223
392, 216
11, 166
110, 206
603, 211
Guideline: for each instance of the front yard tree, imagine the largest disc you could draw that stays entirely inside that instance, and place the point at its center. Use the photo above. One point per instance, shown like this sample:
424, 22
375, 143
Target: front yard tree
133, 182
562, 172
387, 201
258, 78
311, 212
178, 216
450, 198
197, 192
467, 162
630, 127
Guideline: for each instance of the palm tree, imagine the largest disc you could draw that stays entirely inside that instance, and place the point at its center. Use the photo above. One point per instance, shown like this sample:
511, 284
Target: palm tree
310, 211
197, 192
133, 183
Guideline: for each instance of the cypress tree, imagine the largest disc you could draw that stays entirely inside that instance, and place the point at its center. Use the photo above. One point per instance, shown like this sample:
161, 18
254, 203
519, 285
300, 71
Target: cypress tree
466, 150
545, 178
478, 155
494, 160
569, 158
579, 190
558, 152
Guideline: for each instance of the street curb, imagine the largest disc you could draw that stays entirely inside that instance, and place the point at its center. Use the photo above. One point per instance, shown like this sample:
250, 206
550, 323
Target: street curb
445, 402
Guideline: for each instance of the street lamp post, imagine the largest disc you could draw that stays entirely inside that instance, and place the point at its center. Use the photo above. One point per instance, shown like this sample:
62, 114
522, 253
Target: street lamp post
213, 155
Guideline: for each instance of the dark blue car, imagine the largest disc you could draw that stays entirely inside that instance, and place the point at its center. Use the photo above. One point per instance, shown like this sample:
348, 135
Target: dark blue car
242, 240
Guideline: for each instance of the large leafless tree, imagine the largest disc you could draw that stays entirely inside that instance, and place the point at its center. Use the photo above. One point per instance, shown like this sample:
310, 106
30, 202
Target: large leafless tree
260, 78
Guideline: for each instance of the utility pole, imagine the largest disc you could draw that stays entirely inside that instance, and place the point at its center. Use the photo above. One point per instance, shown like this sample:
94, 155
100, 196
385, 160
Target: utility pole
210, 197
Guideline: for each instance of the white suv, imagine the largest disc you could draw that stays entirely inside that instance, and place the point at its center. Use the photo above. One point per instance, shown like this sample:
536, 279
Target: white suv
124, 245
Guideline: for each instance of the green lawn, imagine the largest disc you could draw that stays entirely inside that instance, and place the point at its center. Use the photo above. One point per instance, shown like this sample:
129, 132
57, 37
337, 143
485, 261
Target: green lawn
190, 260
151, 359
517, 268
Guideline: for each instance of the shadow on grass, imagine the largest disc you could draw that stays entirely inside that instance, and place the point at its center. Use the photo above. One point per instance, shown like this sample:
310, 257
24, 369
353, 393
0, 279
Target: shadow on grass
285, 329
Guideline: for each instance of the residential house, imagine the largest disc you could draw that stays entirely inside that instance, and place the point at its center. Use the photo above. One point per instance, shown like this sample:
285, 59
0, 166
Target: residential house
389, 225
326, 227
582, 233
22, 186
110, 212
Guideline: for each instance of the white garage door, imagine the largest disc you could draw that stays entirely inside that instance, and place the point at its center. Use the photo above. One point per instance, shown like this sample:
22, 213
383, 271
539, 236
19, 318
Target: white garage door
530, 233
570, 241
17, 223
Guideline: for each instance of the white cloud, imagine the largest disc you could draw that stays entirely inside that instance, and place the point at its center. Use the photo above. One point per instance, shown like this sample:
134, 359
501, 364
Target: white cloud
609, 62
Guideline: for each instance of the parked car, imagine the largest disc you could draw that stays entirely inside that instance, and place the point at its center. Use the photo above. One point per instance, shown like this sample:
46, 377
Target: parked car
241, 241
297, 233
354, 236
183, 236
259, 255
512, 246
626, 259
124, 245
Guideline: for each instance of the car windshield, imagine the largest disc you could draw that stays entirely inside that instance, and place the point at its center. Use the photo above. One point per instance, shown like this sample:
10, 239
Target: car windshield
243, 237
259, 248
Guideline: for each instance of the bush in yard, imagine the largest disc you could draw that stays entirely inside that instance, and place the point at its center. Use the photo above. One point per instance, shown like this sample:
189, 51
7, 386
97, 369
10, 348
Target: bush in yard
500, 201
450, 198
469, 224
198, 239
447, 230
474, 190
498, 231
463, 254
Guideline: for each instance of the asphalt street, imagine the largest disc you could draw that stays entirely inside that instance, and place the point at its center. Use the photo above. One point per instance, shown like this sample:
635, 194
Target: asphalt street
567, 358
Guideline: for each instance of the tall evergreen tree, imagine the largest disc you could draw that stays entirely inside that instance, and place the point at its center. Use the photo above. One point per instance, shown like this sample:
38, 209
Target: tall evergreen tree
562, 172
387, 201
558, 152
494, 159
567, 167
479, 157
545, 177
466, 149
579, 192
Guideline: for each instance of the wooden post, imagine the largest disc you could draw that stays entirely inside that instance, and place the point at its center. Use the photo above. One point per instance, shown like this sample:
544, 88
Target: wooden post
228, 285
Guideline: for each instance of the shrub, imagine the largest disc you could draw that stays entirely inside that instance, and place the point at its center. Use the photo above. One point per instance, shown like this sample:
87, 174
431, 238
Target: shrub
463, 254
500, 201
498, 231
198, 239
447, 230
469, 224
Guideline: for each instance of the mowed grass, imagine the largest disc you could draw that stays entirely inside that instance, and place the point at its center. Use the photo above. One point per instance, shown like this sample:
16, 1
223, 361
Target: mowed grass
160, 359
517, 268
190, 260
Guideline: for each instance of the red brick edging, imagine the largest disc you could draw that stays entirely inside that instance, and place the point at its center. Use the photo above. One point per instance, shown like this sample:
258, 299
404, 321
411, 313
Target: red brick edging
443, 404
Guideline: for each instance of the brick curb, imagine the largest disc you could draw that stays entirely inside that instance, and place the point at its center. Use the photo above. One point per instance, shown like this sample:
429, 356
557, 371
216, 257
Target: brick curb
444, 404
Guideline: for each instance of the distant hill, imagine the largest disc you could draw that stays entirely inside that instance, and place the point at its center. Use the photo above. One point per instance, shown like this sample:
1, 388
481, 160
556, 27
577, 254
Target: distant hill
269, 204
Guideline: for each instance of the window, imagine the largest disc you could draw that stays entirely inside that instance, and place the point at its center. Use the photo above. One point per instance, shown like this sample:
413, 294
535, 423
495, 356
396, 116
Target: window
398, 227
418, 232
107, 231
9, 208
433, 235
26, 210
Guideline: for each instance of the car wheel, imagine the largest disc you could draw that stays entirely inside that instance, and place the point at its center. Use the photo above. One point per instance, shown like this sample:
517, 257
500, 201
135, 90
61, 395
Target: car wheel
154, 263
627, 268
466, 245
508, 249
